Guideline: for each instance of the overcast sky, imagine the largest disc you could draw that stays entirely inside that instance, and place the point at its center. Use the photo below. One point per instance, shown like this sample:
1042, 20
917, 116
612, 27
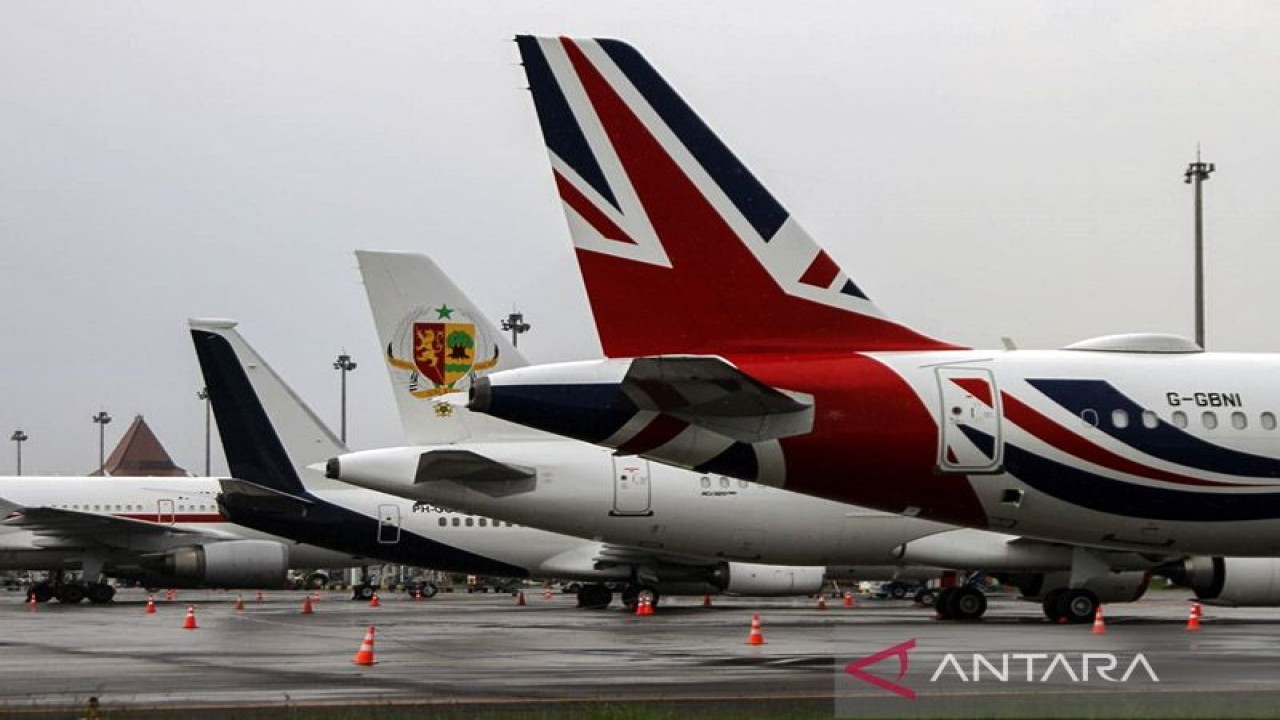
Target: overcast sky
982, 169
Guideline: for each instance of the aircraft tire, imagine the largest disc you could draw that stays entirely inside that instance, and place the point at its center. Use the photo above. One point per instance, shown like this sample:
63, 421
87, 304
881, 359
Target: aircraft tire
945, 605
71, 593
968, 603
101, 593
594, 597
1077, 606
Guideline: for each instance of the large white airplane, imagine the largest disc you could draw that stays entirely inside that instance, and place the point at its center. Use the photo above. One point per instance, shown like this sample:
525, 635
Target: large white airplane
265, 427
435, 342
160, 531
739, 347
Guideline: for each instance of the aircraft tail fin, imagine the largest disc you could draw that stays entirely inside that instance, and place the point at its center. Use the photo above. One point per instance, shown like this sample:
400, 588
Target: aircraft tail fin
681, 248
269, 435
435, 342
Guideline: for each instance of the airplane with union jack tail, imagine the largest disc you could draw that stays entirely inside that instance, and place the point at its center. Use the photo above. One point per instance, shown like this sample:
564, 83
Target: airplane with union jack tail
738, 346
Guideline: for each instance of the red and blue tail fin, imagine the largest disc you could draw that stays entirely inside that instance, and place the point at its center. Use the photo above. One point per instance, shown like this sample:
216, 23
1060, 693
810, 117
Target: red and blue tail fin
682, 250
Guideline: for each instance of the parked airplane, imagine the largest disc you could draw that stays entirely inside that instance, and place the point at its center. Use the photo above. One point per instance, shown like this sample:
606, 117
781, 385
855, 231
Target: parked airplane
583, 490
268, 434
160, 531
740, 348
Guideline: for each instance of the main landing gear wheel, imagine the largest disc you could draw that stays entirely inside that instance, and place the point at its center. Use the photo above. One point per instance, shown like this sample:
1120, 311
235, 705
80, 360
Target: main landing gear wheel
101, 593
961, 603
1073, 606
71, 593
362, 592
926, 597
595, 597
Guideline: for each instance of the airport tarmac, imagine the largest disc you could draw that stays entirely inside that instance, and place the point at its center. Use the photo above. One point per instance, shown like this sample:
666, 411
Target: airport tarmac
486, 650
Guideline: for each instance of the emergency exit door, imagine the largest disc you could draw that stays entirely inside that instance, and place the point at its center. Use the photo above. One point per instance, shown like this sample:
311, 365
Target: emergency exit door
970, 440
632, 492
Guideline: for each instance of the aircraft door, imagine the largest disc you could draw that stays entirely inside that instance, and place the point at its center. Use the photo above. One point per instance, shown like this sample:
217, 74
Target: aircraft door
388, 524
632, 491
164, 512
970, 439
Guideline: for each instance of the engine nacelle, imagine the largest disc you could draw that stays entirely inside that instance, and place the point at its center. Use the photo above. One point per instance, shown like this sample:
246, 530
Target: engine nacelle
739, 578
1234, 581
1112, 587
228, 564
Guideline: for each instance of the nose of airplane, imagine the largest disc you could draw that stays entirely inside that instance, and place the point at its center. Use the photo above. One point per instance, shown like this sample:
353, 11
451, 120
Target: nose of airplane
480, 396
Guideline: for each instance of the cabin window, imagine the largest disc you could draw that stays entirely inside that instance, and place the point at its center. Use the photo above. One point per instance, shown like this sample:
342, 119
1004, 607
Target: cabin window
1150, 420
444, 522
471, 522
724, 481
1090, 417
1268, 421
457, 522
706, 481
1239, 421
1179, 418
742, 484
1209, 419
1120, 418
484, 522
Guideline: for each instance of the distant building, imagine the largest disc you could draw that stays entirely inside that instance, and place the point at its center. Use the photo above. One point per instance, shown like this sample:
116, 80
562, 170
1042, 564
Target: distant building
140, 454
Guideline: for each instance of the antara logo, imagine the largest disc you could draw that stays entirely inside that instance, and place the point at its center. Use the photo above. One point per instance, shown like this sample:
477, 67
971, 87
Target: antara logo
1026, 667
440, 349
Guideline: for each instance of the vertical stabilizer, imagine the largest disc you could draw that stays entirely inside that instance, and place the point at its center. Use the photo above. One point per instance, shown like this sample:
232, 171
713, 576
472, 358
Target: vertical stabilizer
434, 343
682, 249
269, 435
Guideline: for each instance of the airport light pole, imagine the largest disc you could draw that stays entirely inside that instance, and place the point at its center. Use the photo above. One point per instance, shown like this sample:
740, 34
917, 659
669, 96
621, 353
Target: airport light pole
1197, 172
102, 418
345, 364
203, 394
18, 437
517, 326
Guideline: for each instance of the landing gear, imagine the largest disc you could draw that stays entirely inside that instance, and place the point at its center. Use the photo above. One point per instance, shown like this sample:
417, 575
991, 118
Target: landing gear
897, 590
926, 597
595, 596
631, 595
1070, 605
961, 603
428, 589
70, 593
42, 592
101, 593
363, 591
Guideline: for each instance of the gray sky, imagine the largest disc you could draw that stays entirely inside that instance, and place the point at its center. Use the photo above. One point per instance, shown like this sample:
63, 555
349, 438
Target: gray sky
980, 168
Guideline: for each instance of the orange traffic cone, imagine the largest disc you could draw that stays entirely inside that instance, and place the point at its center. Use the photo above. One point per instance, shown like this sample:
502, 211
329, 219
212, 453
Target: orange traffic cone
756, 637
706, 601
822, 602
520, 598
170, 594
374, 601
239, 604
546, 593
1193, 619
848, 598
417, 595
365, 655
306, 606
151, 605
33, 604
190, 622
1099, 625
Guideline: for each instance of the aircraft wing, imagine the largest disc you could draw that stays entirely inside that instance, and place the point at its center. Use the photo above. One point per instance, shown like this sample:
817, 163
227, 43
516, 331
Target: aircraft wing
611, 555
709, 392
58, 527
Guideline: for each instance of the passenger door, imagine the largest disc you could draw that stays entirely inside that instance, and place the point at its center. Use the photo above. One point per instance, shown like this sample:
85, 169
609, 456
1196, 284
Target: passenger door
969, 422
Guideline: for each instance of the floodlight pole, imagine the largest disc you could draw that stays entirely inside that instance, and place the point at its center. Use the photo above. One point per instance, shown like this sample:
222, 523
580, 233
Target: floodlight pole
1197, 172
18, 437
516, 325
345, 364
102, 418
203, 394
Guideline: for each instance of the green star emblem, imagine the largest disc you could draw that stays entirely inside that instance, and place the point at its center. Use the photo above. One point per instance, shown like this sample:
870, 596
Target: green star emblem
444, 312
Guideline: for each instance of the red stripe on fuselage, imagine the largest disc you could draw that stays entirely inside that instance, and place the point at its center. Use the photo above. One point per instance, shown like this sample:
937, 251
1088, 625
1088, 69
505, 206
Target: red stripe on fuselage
1050, 432
589, 212
874, 443
716, 298
169, 519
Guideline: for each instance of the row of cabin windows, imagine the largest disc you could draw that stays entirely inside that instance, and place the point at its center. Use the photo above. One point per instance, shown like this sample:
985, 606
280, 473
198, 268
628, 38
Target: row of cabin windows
138, 508
724, 482
472, 522
1208, 419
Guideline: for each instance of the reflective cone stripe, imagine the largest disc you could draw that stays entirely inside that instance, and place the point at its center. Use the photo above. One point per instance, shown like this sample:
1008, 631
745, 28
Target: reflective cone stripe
1193, 619
151, 605
365, 655
756, 637
190, 622
417, 595
848, 598
1099, 625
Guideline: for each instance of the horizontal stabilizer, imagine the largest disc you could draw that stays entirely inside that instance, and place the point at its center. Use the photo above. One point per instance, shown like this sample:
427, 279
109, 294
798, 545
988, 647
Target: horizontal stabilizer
264, 498
466, 466
708, 392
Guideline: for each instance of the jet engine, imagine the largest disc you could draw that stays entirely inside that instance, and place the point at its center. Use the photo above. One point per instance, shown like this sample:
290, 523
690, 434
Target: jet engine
1232, 581
228, 564
738, 578
1116, 587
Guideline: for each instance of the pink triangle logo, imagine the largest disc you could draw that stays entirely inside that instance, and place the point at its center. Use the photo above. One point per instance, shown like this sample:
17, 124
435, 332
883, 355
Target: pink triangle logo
856, 669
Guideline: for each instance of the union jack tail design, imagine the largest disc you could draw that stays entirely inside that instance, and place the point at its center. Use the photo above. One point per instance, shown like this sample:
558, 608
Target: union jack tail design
682, 250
